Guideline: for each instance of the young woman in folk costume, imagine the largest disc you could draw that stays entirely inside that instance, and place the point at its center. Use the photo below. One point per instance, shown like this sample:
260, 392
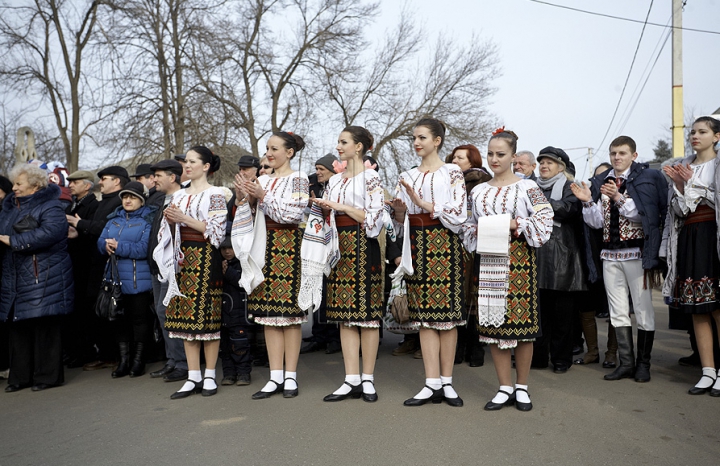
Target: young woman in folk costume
269, 253
694, 267
190, 234
433, 198
521, 218
354, 287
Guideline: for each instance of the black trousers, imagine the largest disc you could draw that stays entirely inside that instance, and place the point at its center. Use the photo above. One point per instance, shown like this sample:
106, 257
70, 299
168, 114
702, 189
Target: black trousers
36, 351
235, 353
556, 319
137, 323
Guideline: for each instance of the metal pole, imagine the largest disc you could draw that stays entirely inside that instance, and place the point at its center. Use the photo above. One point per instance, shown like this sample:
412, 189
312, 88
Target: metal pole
678, 126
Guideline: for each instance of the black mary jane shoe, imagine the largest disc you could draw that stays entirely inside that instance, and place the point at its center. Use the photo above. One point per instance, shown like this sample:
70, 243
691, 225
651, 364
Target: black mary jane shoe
261, 395
520, 406
355, 393
715, 392
15, 387
456, 402
290, 393
702, 391
180, 394
435, 398
209, 392
491, 406
369, 397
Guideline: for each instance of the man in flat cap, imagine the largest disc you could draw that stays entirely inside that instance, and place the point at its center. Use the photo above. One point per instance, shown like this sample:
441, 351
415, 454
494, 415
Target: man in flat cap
78, 345
166, 175
145, 175
112, 180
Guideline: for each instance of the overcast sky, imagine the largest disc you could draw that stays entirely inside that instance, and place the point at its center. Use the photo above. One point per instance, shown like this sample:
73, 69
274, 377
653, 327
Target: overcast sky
563, 71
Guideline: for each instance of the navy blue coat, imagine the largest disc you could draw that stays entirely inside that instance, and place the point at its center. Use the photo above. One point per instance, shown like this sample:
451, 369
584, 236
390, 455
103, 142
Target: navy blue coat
648, 188
132, 232
36, 271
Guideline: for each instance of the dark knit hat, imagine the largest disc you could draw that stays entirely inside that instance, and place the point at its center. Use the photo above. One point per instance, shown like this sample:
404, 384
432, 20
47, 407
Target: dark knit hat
554, 153
137, 189
5, 184
327, 162
248, 161
169, 165
115, 170
142, 170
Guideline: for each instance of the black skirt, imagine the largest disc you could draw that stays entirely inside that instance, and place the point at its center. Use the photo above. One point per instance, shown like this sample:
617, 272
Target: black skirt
698, 268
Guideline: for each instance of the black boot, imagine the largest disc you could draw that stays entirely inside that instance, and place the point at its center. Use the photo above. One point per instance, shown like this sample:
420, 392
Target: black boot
138, 364
626, 354
644, 348
123, 367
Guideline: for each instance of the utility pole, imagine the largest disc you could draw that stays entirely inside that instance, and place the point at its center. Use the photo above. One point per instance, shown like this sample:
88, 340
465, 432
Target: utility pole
678, 126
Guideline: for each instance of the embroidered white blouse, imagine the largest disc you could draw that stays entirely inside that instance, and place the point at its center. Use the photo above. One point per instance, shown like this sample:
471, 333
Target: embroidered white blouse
699, 189
445, 188
285, 197
362, 191
524, 200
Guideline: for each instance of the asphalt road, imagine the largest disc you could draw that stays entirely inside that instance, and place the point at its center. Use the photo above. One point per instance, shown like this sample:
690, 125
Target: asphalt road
578, 418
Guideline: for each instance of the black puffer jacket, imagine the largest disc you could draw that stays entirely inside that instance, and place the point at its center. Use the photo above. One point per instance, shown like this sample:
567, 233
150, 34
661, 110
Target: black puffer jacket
560, 260
37, 274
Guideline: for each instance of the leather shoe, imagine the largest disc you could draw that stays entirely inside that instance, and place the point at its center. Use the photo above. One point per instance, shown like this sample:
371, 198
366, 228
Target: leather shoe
290, 393
560, 368
95, 365
198, 388
702, 391
229, 380
167, 368
715, 392
209, 392
15, 387
436, 398
456, 402
355, 393
369, 397
333, 347
243, 379
176, 375
523, 406
261, 395
312, 347
38, 387
609, 364
491, 406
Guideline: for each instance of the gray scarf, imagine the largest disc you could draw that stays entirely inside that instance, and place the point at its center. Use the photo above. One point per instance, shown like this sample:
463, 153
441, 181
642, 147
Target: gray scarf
557, 183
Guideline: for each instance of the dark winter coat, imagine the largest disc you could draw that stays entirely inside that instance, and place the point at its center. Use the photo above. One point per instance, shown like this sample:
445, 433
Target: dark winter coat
159, 203
648, 188
132, 232
234, 305
560, 259
37, 274
93, 226
81, 249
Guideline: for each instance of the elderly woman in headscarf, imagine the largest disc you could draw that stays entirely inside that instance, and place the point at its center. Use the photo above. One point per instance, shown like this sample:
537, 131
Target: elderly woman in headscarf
37, 279
561, 275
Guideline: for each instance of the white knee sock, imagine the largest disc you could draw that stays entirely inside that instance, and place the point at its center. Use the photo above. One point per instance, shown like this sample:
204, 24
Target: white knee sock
193, 376
290, 380
448, 390
503, 397
522, 396
353, 380
209, 380
426, 393
368, 388
275, 376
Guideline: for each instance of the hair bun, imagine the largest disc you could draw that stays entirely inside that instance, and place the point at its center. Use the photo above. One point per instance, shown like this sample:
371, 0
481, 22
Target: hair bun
299, 142
214, 163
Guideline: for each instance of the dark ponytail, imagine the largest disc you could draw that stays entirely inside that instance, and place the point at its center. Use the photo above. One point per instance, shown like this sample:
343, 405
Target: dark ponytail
291, 141
207, 156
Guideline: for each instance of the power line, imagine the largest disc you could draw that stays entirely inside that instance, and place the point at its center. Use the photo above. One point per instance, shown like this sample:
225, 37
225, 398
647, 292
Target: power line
628, 76
705, 31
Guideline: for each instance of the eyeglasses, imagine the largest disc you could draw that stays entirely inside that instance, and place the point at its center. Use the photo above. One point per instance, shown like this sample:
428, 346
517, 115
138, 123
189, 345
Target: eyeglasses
266, 167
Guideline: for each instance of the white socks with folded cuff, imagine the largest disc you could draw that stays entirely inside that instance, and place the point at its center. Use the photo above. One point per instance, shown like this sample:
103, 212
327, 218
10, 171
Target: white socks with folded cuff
209, 380
344, 389
522, 396
706, 382
193, 376
368, 388
501, 396
290, 380
275, 376
426, 393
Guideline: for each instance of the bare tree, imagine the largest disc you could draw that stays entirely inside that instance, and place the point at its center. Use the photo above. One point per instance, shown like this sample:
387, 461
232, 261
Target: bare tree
261, 70
397, 89
46, 46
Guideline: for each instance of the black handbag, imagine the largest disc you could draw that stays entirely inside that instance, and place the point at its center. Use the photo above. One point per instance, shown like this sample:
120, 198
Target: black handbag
27, 223
108, 304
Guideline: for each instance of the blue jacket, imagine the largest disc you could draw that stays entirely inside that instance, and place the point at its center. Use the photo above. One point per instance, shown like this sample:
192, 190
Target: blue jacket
132, 232
648, 188
36, 269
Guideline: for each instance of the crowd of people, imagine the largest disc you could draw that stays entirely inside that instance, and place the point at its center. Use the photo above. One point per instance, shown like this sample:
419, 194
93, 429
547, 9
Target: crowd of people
497, 256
